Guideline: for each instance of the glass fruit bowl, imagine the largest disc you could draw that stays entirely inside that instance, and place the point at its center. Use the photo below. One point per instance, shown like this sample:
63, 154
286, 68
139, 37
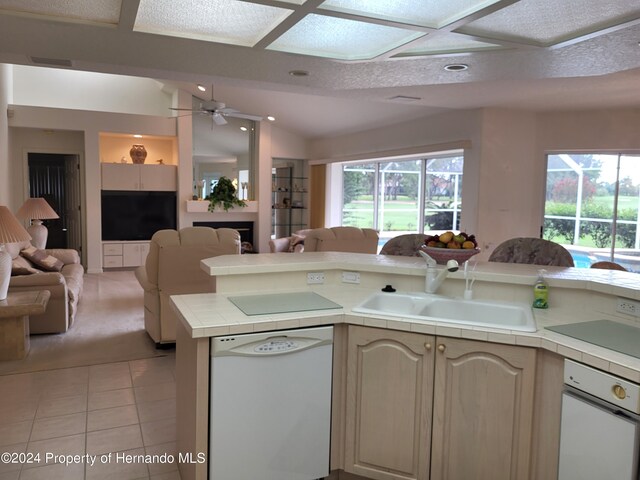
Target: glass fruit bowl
443, 255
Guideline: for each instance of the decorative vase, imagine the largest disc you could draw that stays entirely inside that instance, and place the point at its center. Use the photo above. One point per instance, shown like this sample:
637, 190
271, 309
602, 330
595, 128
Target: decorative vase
138, 154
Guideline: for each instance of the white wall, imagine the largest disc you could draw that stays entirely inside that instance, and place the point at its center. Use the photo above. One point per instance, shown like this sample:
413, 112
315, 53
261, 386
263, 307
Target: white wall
510, 185
69, 89
603, 130
5, 171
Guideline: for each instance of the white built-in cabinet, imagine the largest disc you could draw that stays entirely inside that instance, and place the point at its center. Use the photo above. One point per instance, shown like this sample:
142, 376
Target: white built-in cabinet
425, 407
128, 176
124, 254
159, 173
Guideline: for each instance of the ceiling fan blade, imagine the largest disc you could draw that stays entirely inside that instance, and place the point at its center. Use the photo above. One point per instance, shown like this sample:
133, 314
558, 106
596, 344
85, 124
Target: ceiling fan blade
218, 119
255, 118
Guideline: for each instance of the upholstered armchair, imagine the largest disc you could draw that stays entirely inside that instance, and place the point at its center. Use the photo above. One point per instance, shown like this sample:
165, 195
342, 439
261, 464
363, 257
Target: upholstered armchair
406, 245
535, 251
173, 268
341, 239
294, 243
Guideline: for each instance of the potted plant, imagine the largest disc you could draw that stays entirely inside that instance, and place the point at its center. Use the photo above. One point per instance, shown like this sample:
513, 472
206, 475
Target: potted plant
224, 195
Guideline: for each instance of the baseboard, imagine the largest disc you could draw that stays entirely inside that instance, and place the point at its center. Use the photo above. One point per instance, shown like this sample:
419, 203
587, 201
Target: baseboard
94, 270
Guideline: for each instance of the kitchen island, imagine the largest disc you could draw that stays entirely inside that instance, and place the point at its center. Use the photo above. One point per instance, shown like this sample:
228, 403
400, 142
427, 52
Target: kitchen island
576, 295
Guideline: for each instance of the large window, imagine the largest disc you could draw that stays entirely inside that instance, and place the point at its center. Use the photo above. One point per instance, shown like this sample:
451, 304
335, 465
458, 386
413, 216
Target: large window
408, 196
591, 207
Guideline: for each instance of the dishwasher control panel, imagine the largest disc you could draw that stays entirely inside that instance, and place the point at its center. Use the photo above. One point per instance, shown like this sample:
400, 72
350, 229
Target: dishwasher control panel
603, 385
276, 345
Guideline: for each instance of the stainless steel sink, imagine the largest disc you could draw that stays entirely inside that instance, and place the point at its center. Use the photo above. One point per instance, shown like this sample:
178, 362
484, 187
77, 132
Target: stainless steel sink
438, 308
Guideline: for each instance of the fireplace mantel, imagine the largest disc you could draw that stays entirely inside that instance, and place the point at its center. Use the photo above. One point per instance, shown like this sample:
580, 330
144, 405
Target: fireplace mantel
202, 206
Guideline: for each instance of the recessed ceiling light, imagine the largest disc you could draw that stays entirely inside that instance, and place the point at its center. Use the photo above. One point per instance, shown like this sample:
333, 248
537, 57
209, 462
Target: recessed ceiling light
299, 73
271, 118
243, 128
202, 88
456, 67
137, 136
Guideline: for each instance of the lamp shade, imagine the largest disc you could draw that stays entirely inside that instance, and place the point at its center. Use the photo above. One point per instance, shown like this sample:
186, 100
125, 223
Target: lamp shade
36, 209
11, 230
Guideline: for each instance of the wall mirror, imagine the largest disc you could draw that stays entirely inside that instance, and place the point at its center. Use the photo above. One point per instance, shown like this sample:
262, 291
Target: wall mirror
223, 150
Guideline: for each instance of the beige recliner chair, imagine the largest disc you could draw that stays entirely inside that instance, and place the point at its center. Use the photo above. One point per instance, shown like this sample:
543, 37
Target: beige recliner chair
173, 268
341, 239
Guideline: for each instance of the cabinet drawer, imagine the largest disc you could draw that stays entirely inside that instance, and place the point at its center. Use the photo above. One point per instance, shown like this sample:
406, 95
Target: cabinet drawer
112, 249
112, 261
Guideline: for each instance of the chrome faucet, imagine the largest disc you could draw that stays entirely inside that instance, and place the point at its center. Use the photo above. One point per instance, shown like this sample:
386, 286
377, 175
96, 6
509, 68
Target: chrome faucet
433, 279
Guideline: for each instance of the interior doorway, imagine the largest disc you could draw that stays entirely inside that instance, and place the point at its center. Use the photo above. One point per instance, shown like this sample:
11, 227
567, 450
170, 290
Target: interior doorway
56, 178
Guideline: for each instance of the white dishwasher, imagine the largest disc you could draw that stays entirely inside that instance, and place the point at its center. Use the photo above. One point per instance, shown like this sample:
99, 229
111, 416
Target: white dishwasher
270, 412
600, 425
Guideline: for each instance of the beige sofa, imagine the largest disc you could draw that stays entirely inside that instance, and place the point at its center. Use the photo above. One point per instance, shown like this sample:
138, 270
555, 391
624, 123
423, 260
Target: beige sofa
334, 239
173, 268
341, 239
65, 287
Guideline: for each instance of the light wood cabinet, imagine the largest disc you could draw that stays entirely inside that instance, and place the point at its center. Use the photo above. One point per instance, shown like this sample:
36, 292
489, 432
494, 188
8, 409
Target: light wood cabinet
124, 254
126, 176
388, 409
420, 407
482, 410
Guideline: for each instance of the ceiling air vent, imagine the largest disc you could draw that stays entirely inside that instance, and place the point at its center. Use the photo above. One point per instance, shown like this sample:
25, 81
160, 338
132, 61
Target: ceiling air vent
404, 99
53, 62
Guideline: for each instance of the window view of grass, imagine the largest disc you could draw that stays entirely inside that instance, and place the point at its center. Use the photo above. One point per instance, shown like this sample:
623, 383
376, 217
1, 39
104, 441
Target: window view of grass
411, 196
588, 198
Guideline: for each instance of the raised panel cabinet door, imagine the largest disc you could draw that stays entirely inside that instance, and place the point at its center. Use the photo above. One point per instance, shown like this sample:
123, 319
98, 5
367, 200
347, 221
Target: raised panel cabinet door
158, 178
131, 255
120, 176
482, 411
388, 406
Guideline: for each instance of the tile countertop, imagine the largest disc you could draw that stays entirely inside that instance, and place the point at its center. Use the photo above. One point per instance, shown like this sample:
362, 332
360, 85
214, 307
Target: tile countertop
207, 315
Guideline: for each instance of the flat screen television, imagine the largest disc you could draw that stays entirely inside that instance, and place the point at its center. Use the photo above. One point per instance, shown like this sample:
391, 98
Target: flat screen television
136, 215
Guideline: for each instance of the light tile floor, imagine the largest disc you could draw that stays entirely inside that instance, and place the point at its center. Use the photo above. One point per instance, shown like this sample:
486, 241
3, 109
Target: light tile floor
126, 407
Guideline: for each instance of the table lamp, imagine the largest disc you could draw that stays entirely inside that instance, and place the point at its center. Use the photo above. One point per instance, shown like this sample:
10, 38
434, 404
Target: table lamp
11, 231
36, 210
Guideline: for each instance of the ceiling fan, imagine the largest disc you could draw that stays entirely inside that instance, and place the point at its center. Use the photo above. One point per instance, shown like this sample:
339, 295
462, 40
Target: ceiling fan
218, 111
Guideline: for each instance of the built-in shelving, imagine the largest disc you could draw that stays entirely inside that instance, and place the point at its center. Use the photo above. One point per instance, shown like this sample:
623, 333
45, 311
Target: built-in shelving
288, 202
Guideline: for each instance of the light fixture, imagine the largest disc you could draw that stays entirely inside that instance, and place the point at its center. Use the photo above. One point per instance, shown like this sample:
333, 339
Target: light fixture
456, 67
243, 128
137, 135
36, 210
11, 231
202, 88
299, 73
271, 118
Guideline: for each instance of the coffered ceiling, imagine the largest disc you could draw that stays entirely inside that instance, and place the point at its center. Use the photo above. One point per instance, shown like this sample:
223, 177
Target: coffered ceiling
367, 63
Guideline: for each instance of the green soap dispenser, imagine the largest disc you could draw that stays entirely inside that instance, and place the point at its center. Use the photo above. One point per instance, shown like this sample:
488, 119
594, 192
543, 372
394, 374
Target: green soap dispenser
541, 291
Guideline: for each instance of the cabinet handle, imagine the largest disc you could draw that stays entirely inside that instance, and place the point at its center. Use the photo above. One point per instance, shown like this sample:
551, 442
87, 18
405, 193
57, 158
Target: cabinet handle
427, 346
442, 347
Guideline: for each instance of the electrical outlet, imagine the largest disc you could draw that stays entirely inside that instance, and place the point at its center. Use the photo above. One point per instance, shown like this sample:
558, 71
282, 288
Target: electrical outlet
315, 278
630, 307
350, 277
